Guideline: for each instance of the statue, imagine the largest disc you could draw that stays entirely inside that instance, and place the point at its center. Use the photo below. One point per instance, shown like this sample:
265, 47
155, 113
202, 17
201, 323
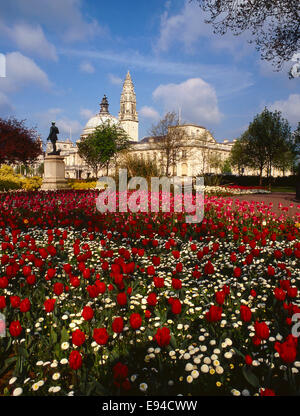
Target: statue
53, 138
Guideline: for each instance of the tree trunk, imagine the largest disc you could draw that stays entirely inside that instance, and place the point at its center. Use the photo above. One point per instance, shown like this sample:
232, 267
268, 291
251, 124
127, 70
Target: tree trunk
260, 176
167, 168
96, 171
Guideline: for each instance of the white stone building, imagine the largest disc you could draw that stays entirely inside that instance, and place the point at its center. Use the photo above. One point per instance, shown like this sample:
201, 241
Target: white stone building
197, 153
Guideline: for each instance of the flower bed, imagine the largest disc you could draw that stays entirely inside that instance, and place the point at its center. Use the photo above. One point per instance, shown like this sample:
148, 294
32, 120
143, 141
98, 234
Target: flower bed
122, 303
235, 190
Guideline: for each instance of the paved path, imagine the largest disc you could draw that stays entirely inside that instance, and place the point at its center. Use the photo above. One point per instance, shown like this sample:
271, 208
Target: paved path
277, 201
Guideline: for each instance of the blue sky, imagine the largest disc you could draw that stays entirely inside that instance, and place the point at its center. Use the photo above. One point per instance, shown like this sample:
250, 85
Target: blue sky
63, 55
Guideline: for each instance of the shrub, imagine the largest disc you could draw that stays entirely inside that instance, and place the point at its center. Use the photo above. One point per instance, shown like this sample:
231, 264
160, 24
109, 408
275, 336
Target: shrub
9, 180
32, 184
138, 167
249, 180
82, 185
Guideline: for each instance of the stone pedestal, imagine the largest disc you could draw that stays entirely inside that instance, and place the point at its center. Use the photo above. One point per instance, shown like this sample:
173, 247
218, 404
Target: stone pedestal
54, 173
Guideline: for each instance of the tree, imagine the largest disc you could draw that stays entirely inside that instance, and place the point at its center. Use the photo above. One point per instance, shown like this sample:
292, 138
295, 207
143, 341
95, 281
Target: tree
18, 144
226, 166
215, 161
296, 139
285, 161
267, 138
102, 146
40, 169
170, 140
238, 155
139, 167
274, 24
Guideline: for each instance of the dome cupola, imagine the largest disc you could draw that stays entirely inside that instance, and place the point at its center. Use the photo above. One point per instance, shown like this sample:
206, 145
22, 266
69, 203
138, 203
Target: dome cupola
102, 117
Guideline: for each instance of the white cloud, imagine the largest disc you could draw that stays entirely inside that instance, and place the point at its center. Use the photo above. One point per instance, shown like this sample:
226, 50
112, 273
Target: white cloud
87, 67
86, 113
149, 112
69, 127
45, 118
64, 123
227, 78
189, 28
30, 39
21, 71
267, 69
114, 79
186, 27
64, 17
290, 108
196, 99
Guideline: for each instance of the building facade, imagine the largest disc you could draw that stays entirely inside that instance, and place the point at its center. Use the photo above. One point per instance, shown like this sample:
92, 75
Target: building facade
200, 153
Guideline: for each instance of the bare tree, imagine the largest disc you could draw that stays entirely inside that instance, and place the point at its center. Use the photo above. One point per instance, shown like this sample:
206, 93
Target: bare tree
170, 141
215, 161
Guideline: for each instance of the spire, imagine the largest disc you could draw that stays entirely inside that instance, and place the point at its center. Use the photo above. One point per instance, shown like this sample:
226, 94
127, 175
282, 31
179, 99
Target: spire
128, 116
128, 101
128, 77
104, 105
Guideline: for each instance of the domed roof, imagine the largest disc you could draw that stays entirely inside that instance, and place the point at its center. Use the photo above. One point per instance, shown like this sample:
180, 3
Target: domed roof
102, 117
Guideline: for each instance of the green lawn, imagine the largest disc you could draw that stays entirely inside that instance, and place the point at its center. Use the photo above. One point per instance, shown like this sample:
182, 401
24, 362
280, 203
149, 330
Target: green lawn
289, 189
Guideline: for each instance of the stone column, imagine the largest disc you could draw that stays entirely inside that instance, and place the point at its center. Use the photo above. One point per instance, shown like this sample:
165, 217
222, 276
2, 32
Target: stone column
54, 173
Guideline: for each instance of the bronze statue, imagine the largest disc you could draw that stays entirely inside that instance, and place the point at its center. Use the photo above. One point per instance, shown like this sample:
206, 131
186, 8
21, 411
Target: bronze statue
53, 138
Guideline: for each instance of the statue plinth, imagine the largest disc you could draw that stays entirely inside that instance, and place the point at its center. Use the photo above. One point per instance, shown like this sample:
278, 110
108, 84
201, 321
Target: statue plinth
54, 173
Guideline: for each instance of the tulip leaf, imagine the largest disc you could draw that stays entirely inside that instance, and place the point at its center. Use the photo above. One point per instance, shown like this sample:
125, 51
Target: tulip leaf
250, 377
23, 352
239, 352
173, 341
53, 336
64, 335
7, 363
